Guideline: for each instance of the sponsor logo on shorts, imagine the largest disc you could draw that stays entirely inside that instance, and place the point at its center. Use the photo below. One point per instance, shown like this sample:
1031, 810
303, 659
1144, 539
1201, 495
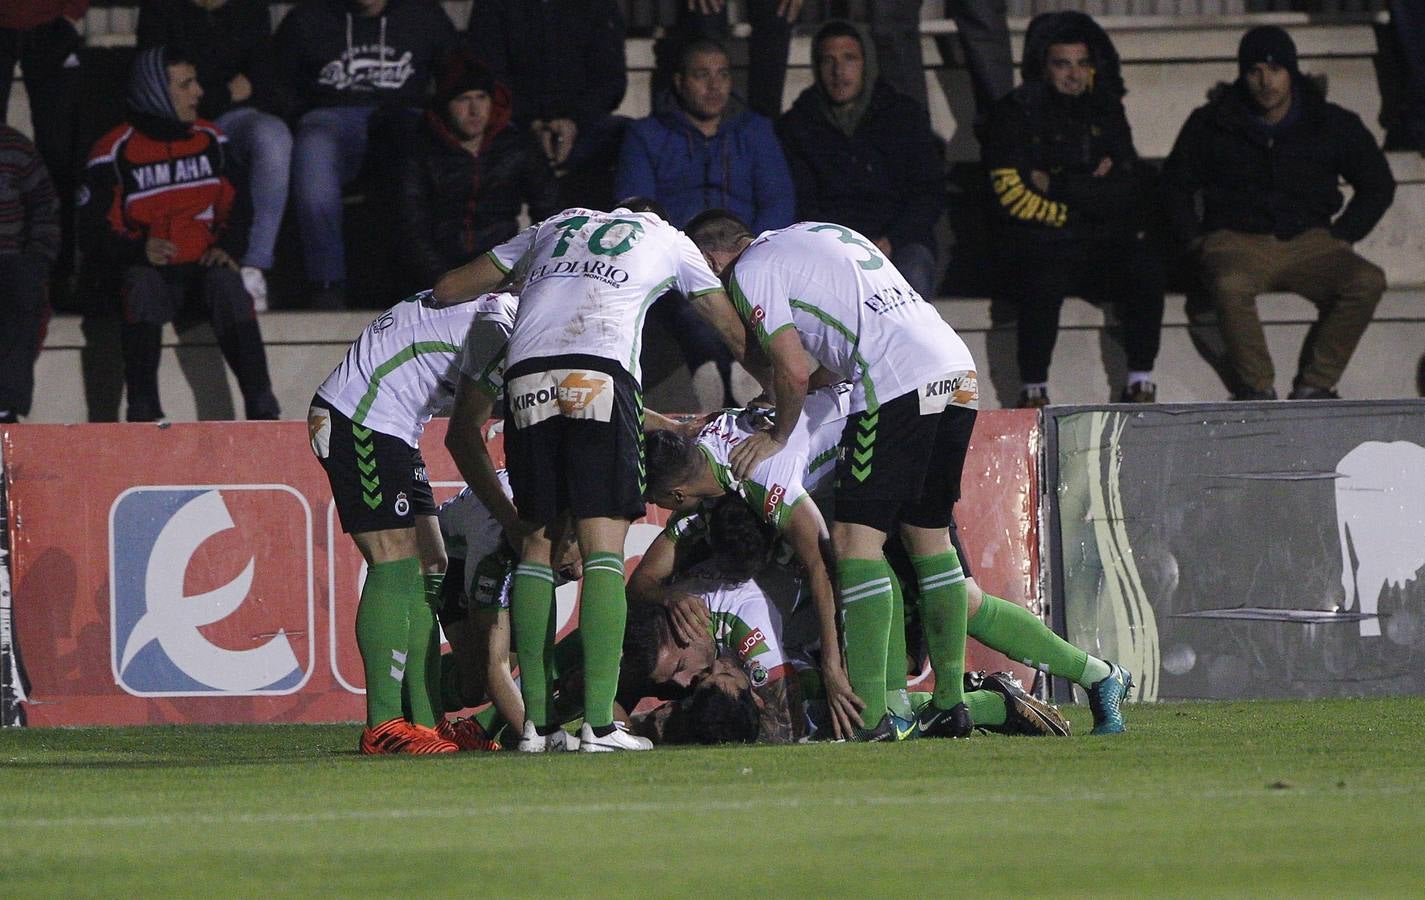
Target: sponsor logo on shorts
571, 393
959, 389
774, 497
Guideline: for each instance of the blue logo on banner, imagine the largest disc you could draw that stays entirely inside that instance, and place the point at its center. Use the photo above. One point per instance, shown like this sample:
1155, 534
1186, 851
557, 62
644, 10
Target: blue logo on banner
158, 647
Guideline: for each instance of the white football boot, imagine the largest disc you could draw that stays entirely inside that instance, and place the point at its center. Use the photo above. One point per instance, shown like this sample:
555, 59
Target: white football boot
618, 739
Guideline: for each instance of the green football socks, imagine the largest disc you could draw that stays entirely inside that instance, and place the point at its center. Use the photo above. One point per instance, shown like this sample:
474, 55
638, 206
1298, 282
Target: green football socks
944, 602
603, 609
1021, 635
420, 689
533, 622
986, 707
866, 610
897, 701
383, 632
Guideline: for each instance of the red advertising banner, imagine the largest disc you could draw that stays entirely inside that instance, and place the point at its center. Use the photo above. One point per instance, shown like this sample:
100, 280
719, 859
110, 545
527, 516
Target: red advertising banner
197, 573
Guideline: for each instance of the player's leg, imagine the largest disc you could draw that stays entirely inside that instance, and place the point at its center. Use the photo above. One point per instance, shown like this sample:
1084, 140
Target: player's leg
863, 581
422, 683
532, 617
939, 576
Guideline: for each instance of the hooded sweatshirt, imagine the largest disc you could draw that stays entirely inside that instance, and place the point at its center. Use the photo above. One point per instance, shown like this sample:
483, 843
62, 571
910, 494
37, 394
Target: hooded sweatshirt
156, 176
740, 168
330, 56
1035, 128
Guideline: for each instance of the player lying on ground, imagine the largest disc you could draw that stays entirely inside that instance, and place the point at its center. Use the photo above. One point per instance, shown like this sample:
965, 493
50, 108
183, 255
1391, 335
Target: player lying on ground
474, 612
365, 425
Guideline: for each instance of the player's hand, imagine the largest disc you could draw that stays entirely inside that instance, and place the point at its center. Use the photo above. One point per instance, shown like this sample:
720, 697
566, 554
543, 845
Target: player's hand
217, 256
747, 455
159, 251
843, 703
690, 618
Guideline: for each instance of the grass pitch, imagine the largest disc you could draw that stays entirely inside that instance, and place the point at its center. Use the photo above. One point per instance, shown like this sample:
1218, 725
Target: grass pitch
1323, 798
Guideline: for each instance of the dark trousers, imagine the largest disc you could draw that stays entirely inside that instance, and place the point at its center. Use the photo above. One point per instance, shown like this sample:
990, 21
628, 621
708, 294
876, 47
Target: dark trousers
698, 341
766, 50
153, 295
984, 38
1037, 276
23, 311
1407, 17
49, 55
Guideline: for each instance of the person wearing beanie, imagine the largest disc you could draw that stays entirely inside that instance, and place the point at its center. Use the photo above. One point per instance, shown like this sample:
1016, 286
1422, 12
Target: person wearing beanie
863, 155
461, 185
162, 225
1263, 160
1071, 192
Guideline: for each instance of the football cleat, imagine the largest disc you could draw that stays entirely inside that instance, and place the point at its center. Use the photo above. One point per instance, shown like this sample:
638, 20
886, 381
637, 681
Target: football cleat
1106, 699
466, 734
891, 728
618, 739
557, 741
932, 721
399, 736
1024, 713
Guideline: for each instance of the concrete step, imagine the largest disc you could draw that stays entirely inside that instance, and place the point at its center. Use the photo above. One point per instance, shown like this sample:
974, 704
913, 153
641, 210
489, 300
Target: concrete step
303, 348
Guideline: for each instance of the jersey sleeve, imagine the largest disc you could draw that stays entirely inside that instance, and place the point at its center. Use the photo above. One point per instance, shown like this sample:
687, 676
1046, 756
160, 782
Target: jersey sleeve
759, 292
775, 486
509, 254
751, 634
482, 355
694, 276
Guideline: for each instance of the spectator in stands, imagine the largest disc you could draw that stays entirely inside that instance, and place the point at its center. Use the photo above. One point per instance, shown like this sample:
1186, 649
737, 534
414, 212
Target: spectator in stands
356, 74
43, 36
230, 42
463, 183
703, 149
771, 22
862, 155
567, 91
1266, 155
983, 30
1071, 201
163, 223
1407, 18
29, 243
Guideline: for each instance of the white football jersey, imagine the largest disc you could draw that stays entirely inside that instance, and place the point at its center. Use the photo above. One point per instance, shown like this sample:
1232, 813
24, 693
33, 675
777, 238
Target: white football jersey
470, 532
747, 617
403, 369
855, 313
591, 278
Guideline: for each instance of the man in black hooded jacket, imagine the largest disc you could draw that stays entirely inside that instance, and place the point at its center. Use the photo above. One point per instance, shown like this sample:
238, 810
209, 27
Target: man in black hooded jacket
1069, 186
1266, 155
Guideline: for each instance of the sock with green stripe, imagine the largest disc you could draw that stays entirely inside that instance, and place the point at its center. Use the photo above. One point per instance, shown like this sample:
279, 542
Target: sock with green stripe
603, 609
866, 600
532, 621
1021, 635
382, 629
420, 689
897, 700
944, 602
986, 707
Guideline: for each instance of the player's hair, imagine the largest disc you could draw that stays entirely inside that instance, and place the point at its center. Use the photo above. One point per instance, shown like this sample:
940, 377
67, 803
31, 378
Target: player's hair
712, 716
643, 204
646, 629
740, 541
697, 45
717, 230
671, 460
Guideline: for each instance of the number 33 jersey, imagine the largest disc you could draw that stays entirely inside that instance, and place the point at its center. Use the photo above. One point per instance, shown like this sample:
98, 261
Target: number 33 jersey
590, 278
855, 313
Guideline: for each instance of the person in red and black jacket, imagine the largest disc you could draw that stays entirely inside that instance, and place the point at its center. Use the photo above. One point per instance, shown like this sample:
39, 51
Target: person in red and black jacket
463, 182
160, 220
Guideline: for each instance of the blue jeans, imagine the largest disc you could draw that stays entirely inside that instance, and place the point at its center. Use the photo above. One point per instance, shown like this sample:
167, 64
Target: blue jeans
262, 147
330, 149
917, 263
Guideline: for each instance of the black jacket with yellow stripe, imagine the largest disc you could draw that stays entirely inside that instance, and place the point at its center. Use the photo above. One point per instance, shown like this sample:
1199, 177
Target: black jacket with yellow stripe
1036, 129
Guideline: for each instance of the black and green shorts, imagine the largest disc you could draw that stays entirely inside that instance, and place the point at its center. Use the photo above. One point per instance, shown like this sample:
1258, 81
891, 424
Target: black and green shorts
378, 481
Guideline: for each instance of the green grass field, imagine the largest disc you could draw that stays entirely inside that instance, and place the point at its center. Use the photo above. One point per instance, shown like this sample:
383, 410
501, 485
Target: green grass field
1259, 799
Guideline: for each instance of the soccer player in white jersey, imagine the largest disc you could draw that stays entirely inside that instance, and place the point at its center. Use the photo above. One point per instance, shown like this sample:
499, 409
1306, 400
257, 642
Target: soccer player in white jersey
574, 425
914, 402
365, 425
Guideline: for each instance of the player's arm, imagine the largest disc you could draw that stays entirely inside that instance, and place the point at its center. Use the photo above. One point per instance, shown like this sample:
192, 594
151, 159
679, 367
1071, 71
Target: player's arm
479, 276
791, 371
806, 532
465, 439
776, 720
659, 562
717, 310
492, 627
